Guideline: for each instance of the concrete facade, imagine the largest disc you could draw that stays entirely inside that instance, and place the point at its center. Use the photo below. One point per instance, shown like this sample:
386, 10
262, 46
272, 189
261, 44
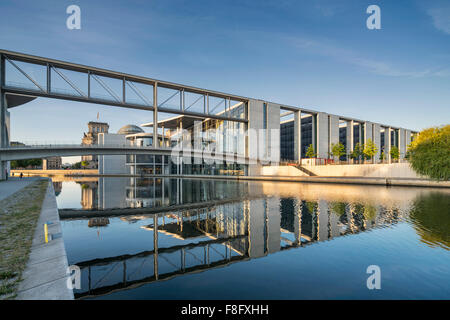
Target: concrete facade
263, 139
111, 164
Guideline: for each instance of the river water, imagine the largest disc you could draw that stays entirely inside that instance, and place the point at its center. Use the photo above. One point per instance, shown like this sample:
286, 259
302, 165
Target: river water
218, 239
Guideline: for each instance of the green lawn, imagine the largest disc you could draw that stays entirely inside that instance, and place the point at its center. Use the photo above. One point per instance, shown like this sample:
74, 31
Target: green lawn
19, 214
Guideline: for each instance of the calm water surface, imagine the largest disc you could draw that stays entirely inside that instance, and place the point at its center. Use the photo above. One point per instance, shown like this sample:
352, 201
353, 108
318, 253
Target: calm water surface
254, 240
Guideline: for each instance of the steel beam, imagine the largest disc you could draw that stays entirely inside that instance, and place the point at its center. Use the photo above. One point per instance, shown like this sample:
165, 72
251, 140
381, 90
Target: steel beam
155, 116
3, 110
112, 103
298, 136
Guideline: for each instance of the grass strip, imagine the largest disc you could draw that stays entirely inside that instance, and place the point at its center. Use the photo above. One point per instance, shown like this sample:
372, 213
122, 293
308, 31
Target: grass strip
19, 214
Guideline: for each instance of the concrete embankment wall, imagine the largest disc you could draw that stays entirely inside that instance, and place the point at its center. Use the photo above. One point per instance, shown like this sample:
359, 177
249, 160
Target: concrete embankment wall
395, 174
393, 170
288, 171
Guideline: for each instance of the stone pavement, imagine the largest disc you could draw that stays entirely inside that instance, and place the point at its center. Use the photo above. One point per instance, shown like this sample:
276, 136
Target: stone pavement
44, 277
12, 185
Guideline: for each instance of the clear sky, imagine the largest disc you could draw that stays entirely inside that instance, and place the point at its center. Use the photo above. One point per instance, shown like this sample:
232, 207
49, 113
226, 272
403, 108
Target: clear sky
317, 54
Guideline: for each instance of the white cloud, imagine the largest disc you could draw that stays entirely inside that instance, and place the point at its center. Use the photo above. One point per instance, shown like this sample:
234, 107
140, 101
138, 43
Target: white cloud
441, 18
344, 55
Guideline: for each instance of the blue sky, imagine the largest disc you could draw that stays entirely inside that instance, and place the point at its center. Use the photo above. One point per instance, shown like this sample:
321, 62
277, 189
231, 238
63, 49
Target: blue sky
316, 54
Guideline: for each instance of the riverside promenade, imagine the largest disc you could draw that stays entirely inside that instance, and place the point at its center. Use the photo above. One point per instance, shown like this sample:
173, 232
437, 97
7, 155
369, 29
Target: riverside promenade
12, 185
44, 277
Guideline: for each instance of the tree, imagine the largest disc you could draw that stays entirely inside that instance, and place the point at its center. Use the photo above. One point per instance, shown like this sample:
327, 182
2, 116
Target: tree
382, 156
76, 165
357, 152
84, 164
370, 149
310, 152
370, 212
395, 153
430, 218
429, 153
338, 208
337, 150
25, 163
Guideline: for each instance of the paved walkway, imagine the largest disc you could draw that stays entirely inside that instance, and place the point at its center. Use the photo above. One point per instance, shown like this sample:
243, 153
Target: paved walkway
45, 275
13, 185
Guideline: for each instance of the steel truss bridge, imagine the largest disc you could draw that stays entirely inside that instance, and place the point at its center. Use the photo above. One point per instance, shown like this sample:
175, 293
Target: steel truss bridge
193, 102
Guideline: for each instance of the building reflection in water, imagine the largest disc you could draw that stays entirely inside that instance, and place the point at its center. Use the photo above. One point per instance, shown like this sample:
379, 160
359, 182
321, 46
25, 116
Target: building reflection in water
228, 222
57, 186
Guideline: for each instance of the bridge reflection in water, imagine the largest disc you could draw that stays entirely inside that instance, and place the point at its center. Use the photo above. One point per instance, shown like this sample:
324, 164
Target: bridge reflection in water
224, 222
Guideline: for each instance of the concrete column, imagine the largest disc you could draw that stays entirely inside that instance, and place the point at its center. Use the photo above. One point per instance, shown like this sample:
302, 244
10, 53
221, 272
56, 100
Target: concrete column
368, 134
407, 138
257, 226
350, 142
273, 224
401, 142
155, 115
387, 143
314, 131
334, 227
298, 221
322, 135
322, 213
4, 134
255, 124
333, 123
298, 136
273, 133
155, 246
377, 139
360, 133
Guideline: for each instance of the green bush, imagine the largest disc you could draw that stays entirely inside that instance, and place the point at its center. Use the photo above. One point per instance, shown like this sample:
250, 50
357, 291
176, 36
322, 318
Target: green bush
429, 153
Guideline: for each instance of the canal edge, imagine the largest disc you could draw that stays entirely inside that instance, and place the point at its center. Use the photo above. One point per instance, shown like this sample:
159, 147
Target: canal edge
45, 276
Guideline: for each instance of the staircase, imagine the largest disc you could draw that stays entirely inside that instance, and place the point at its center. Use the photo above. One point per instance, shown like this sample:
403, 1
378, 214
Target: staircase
309, 173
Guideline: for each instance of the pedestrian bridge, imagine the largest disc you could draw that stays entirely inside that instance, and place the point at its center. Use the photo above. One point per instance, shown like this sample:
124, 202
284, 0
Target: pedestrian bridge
67, 150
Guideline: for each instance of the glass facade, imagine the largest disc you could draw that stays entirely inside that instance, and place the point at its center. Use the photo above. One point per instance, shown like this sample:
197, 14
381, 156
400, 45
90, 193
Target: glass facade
287, 138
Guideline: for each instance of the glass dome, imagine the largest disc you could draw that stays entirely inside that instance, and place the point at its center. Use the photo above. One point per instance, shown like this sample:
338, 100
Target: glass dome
130, 129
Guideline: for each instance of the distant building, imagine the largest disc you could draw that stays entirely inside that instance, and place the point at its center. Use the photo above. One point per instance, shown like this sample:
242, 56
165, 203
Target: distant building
52, 163
90, 138
115, 164
130, 163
